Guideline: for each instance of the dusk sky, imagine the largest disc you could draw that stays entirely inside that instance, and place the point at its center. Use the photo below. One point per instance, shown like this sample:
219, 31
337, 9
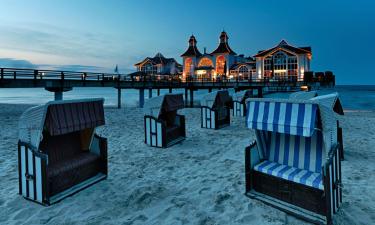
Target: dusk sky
97, 35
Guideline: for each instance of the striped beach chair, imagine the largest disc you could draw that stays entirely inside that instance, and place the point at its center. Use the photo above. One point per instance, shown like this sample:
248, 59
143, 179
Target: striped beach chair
294, 163
239, 106
215, 110
163, 126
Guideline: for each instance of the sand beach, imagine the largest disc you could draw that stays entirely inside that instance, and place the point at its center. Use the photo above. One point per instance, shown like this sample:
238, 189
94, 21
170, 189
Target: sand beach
199, 181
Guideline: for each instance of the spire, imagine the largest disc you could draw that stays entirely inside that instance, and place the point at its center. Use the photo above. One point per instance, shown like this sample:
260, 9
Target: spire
223, 45
192, 41
223, 37
192, 49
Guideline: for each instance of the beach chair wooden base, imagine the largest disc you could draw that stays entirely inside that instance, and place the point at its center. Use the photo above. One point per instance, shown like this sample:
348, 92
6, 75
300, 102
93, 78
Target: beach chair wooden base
288, 208
76, 188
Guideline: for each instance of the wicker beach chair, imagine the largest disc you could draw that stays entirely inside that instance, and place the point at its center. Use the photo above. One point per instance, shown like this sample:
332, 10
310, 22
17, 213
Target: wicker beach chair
215, 110
294, 163
59, 152
163, 126
239, 106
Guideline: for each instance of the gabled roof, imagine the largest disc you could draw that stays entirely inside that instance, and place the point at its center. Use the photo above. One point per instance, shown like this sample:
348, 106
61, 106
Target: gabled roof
192, 49
284, 45
157, 59
237, 65
223, 45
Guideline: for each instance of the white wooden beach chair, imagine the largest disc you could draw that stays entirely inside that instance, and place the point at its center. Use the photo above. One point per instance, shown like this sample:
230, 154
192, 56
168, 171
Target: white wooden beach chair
59, 152
333, 101
163, 126
294, 163
215, 110
239, 106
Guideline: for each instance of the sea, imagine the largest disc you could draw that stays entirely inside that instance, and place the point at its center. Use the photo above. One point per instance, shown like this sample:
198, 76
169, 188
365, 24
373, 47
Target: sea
353, 97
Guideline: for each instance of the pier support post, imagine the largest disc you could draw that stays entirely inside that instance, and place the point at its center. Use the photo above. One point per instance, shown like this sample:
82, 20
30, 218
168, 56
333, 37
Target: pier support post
57, 91
58, 95
119, 98
186, 97
141, 97
150, 93
209, 90
170, 90
158, 91
260, 92
191, 98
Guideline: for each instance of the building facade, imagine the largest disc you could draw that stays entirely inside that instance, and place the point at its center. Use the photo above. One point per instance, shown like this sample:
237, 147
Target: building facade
159, 65
283, 62
223, 62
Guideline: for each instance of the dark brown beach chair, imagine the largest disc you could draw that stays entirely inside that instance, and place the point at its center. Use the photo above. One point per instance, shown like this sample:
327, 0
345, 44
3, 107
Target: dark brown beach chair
58, 150
163, 126
215, 110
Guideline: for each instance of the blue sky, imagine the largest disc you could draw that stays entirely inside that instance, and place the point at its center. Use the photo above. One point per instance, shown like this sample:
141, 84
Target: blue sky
97, 35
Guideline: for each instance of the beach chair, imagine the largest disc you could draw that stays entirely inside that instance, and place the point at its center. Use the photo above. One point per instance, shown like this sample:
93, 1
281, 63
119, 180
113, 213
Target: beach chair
239, 106
163, 126
303, 95
59, 152
294, 163
215, 110
333, 101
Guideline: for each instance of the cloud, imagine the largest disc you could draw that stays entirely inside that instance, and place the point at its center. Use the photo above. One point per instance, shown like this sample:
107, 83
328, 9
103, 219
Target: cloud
17, 63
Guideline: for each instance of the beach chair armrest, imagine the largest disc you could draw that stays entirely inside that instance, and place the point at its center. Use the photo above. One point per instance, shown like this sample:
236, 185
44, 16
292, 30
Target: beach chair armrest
251, 155
332, 181
251, 159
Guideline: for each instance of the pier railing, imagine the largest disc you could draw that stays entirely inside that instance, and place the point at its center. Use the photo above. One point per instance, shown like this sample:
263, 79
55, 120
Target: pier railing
126, 81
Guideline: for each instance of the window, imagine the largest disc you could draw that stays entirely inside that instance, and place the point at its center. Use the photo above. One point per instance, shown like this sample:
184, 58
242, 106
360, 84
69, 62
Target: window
149, 69
205, 62
268, 66
244, 73
220, 65
292, 66
188, 66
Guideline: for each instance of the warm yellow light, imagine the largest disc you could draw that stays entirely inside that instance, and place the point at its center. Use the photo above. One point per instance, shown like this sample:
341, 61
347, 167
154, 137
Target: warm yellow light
305, 88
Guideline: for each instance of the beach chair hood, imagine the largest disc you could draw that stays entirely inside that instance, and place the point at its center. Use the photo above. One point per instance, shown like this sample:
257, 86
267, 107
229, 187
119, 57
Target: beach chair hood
292, 117
241, 96
162, 104
60, 117
331, 101
217, 98
303, 95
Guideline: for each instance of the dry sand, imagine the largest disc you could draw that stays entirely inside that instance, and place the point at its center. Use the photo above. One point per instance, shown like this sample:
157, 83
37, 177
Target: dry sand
199, 181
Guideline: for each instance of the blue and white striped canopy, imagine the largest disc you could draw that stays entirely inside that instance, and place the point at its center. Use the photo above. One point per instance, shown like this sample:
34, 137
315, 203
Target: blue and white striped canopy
282, 116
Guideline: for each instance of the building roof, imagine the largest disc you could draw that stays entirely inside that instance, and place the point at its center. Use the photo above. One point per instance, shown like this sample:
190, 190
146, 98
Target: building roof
223, 45
158, 59
192, 49
237, 65
284, 45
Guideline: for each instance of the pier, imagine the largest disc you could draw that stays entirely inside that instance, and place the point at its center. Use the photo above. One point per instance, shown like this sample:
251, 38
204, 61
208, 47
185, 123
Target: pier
62, 81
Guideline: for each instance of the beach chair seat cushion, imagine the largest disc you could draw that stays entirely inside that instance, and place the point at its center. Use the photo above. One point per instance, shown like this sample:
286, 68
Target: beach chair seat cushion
301, 176
68, 172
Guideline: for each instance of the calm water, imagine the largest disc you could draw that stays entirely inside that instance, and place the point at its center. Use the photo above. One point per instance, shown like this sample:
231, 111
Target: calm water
352, 97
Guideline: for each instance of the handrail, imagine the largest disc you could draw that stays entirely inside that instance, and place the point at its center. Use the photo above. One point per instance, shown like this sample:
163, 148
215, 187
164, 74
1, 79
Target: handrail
38, 74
